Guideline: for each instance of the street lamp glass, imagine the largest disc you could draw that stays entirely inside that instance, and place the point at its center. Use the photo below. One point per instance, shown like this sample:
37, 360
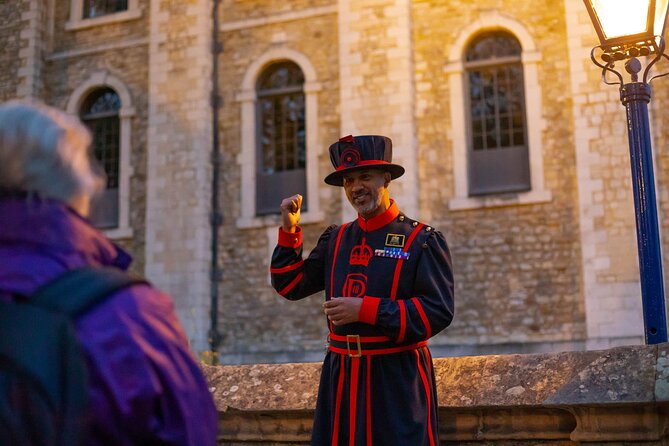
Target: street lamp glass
618, 19
660, 17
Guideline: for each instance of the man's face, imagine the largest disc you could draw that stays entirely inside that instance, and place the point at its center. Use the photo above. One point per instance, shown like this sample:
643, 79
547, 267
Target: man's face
365, 190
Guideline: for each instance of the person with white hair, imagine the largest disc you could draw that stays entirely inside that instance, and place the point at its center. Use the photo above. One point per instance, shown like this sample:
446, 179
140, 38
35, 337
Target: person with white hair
145, 387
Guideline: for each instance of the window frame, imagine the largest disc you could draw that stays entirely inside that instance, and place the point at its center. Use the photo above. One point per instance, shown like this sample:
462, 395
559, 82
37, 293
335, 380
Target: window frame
247, 157
273, 94
125, 113
107, 118
77, 20
481, 66
456, 72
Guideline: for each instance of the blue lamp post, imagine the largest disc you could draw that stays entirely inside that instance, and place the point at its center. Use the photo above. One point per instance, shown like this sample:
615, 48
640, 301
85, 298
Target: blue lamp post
627, 30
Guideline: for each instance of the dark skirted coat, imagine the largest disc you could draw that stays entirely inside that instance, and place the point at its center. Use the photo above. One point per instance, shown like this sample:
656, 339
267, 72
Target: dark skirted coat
377, 383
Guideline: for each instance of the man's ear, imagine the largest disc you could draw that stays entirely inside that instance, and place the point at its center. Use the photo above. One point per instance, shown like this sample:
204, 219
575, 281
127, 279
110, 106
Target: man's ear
387, 178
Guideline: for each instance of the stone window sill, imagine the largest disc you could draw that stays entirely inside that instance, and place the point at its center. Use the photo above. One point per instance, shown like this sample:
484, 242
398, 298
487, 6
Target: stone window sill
118, 233
489, 201
122, 16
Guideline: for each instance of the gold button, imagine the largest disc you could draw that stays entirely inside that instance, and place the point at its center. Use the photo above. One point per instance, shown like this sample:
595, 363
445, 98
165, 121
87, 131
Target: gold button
401, 217
424, 245
428, 229
414, 224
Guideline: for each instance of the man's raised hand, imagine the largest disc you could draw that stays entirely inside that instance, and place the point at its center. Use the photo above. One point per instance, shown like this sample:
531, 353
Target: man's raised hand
290, 212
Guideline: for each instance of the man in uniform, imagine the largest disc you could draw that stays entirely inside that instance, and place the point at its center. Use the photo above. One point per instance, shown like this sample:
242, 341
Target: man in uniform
388, 288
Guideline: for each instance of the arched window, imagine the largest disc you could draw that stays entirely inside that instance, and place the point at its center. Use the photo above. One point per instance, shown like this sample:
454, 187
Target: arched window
498, 157
100, 112
281, 136
97, 8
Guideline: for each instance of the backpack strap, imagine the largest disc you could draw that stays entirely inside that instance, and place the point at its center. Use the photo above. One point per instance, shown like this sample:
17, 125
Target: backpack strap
78, 290
48, 352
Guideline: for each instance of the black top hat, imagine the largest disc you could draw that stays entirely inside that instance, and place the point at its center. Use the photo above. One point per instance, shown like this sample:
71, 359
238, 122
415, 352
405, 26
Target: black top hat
352, 153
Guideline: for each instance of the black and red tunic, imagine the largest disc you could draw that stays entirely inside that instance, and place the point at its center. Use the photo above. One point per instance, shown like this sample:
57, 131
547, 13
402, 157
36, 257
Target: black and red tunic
377, 383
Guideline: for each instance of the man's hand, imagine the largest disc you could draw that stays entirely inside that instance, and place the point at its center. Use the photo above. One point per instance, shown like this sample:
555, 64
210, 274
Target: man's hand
290, 212
342, 310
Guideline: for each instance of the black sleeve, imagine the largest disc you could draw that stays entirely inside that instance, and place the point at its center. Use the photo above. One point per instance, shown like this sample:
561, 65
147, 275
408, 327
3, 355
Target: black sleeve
292, 277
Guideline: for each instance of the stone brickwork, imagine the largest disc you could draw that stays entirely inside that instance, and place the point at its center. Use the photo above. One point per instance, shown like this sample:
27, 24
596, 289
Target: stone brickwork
549, 269
178, 234
598, 398
78, 56
258, 324
236, 11
90, 37
608, 240
31, 53
11, 25
377, 95
517, 268
659, 123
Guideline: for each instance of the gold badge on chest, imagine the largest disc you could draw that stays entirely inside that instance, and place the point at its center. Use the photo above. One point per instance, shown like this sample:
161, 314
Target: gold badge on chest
395, 240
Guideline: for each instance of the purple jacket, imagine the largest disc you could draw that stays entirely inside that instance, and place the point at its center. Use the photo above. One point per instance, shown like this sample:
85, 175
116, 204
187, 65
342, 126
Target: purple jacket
146, 387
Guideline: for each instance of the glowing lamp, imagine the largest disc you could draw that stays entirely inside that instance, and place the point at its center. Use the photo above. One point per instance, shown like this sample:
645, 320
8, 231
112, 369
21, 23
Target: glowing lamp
621, 23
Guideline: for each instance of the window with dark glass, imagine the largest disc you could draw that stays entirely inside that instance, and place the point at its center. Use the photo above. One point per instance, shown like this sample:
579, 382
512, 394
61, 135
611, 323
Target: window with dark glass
281, 137
498, 156
96, 8
100, 112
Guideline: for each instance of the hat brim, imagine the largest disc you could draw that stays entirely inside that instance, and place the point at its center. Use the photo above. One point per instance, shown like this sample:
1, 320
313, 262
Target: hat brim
336, 178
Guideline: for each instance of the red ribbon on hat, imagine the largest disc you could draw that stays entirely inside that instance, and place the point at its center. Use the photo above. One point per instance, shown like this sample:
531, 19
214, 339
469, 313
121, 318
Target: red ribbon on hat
365, 163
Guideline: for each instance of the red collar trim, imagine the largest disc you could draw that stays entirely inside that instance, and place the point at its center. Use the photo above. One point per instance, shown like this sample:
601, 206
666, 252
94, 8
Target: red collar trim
380, 220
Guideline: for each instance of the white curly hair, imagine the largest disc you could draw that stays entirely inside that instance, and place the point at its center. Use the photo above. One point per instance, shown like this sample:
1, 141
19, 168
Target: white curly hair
45, 151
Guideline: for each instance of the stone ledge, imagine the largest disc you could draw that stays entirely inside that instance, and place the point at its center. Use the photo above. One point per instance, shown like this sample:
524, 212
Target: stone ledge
594, 397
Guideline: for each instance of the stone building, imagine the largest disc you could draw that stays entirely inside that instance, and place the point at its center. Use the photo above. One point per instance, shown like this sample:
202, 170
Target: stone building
514, 149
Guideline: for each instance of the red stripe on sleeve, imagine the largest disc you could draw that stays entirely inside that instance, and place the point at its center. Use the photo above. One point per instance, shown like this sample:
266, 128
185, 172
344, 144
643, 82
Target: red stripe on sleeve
368, 309
290, 239
403, 321
286, 269
291, 285
423, 316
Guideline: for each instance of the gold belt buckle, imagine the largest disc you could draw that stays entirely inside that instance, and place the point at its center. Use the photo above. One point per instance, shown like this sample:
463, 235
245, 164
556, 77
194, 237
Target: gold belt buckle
349, 338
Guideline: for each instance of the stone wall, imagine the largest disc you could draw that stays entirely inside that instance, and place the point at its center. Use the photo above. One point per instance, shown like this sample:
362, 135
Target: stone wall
179, 147
378, 92
99, 52
601, 398
551, 269
517, 267
659, 124
253, 316
74, 33
608, 240
11, 25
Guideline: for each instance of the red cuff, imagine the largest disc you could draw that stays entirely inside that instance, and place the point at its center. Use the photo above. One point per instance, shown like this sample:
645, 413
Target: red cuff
368, 309
290, 239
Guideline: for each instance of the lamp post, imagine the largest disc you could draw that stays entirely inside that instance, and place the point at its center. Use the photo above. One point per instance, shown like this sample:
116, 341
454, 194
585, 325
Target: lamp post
627, 30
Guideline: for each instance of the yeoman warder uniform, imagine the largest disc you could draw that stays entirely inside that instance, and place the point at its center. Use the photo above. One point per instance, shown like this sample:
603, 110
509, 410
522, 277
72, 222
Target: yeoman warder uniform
377, 383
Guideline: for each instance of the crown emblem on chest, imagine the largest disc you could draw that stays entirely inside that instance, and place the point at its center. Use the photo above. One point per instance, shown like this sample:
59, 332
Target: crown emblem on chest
360, 254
